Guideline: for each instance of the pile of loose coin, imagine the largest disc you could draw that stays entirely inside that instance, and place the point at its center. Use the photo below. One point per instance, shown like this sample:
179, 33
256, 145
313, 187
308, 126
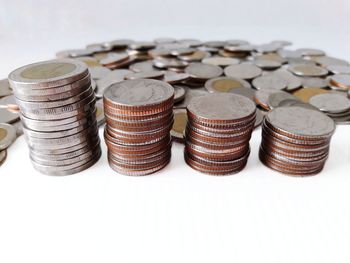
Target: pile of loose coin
139, 117
218, 132
57, 106
295, 140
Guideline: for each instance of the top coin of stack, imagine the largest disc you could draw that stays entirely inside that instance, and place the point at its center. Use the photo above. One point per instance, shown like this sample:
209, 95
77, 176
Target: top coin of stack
57, 107
218, 132
139, 118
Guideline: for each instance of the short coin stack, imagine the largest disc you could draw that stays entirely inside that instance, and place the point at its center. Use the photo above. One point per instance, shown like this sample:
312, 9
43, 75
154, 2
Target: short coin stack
57, 107
139, 118
218, 131
295, 140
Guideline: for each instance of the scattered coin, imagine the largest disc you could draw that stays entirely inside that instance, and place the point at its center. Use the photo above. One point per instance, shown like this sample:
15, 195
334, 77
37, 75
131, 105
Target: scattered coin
310, 52
267, 64
179, 126
225, 84
341, 81
7, 135
262, 96
202, 72
145, 75
179, 94
243, 71
220, 61
99, 72
5, 89
308, 70
339, 69
305, 94
276, 98
190, 94
270, 82
112, 77
248, 93
331, 103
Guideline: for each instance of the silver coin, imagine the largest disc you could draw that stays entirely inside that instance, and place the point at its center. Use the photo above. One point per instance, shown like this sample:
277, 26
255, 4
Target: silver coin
98, 72
220, 106
47, 74
174, 77
220, 61
308, 70
190, 94
286, 53
342, 80
267, 48
314, 83
114, 58
243, 71
339, 69
145, 75
5, 115
301, 121
7, 135
142, 45
326, 61
5, 89
142, 66
275, 99
164, 63
311, 52
118, 43
293, 81
293, 102
139, 92
74, 53
270, 82
267, 64
112, 77
203, 71
180, 93
300, 61
330, 102
262, 96
248, 93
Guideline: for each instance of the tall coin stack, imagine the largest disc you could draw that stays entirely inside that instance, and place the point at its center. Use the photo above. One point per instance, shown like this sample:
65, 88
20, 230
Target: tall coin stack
295, 140
57, 107
218, 131
139, 117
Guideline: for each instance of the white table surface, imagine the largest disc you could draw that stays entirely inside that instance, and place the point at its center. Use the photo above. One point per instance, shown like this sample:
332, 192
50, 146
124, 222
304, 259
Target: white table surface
178, 214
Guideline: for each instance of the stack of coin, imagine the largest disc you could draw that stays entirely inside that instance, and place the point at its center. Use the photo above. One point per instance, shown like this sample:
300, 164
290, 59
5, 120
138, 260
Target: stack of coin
139, 117
335, 105
218, 131
57, 106
295, 140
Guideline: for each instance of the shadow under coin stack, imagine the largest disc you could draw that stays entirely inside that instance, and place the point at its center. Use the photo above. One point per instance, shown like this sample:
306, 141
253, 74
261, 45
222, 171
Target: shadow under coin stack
218, 131
58, 111
139, 117
295, 140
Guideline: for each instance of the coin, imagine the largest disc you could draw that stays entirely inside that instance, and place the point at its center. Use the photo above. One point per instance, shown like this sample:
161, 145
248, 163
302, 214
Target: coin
220, 61
262, 96
305, 94
112, 77
310, 52
7, 135
267, 64
276, 98
270, 82
5, 89
331, 102
145, 75
180, 93
243, 71
314, 82
225, 84
339, 69
326, 61
99, 72
179, 126
195, 56
293, 81
308, 70
174, 78
7, 116
200, 71
142, 66
341, 80
190, 94
248, 93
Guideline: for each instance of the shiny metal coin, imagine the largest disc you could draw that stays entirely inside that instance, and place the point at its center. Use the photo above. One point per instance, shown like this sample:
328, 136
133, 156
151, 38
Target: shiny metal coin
225, 84
270, 82
308, 70
155, 74
243, 71
5, 89
220, 61
339, 69
203, 71
267, 64
310, 52
180, 93
275, 99
99, 72
331, 102
111, 78
7, 135
190, 94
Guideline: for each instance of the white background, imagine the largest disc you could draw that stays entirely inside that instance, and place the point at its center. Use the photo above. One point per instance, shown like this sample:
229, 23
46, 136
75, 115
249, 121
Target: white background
177, 215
